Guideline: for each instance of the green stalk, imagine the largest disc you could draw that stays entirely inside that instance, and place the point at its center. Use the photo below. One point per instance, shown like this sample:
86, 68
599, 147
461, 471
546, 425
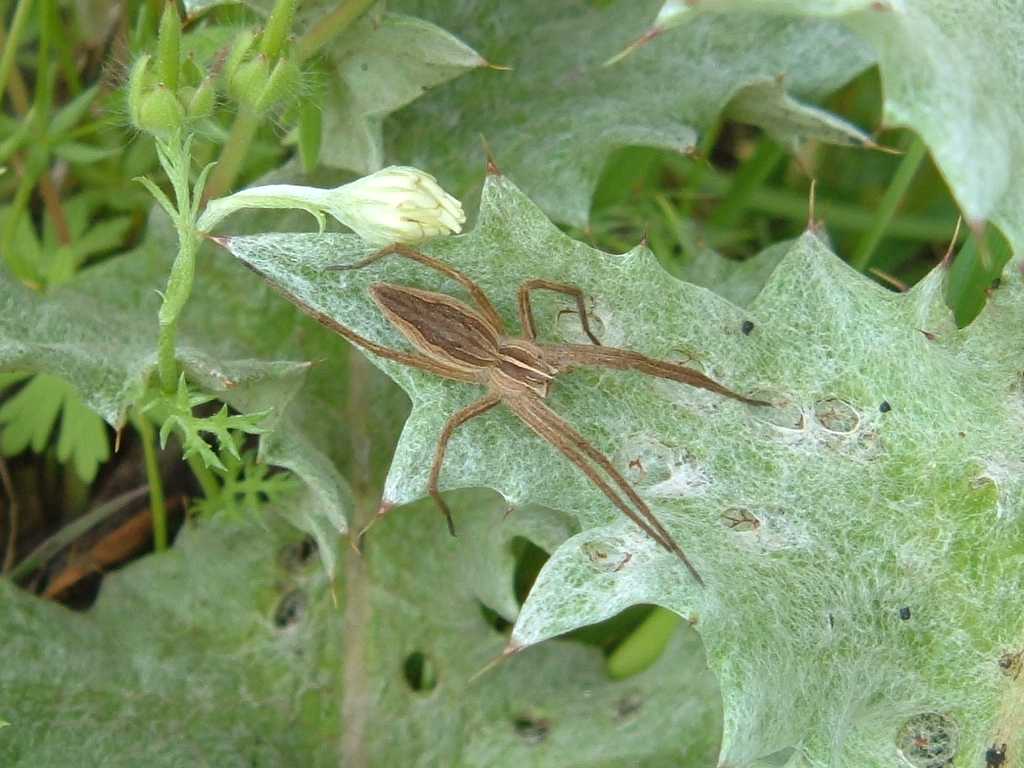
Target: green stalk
330, 26
204, 476
157, 505
701, 165
747, 181
179, 288
21, 13
905, 173
243, 130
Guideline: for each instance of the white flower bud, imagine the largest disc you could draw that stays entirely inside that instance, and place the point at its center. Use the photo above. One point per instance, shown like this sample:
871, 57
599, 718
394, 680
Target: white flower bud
398, 204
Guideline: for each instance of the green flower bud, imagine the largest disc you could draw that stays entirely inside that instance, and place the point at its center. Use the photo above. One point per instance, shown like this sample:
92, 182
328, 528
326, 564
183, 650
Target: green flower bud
190, 71
160, 112
169, 47
280, 85
278, 26
237, 55
200, 104
249, 81
136, 86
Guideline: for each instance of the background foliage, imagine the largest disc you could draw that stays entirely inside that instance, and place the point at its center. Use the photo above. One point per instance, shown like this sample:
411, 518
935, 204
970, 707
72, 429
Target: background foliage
861, 539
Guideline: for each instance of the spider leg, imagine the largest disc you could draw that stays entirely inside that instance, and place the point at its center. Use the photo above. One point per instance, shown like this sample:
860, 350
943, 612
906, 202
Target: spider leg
456, 420
445, 269
526, 311
557, 431
568, 356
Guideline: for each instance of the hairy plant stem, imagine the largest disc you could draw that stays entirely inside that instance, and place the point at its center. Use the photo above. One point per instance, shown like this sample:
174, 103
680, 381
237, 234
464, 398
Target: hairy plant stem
179, 288
232, 155
157, 504
330, 26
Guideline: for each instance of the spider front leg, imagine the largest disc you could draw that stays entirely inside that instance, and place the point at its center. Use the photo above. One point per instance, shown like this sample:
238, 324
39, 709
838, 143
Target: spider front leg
456, 420
526, 311
488, 310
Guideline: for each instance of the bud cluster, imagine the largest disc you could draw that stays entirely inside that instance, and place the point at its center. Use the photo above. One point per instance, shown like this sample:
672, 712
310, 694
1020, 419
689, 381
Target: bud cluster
255, 79
165, 93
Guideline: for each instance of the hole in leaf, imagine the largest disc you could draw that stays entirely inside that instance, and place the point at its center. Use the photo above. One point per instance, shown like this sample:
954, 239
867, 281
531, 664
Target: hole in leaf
290, 609
529, 560
495, 619
530, 729
419, 672
929, 740
995, 756
836, 415
627, 707
1011, 663
297, 554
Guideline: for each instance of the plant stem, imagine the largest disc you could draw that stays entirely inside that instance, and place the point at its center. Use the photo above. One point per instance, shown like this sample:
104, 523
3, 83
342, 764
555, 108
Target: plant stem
204, 476
179, 287
157, 505
330, 26
243, 130
21, 13
745, 184
905, 173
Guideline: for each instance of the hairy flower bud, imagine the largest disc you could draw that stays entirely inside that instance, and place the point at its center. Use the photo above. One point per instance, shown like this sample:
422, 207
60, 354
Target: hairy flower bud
395, 205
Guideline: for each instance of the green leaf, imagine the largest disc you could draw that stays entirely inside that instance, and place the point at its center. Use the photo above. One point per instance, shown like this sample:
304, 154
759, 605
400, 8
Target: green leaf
932, 55
381, 64
228, 650
553, 120
174, 413
247, 486
27, 420
860, 539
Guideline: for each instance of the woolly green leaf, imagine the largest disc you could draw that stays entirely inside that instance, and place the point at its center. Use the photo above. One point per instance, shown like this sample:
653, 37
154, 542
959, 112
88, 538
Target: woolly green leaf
553, 120
860, 540
248, 661
381, 64
933, 54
